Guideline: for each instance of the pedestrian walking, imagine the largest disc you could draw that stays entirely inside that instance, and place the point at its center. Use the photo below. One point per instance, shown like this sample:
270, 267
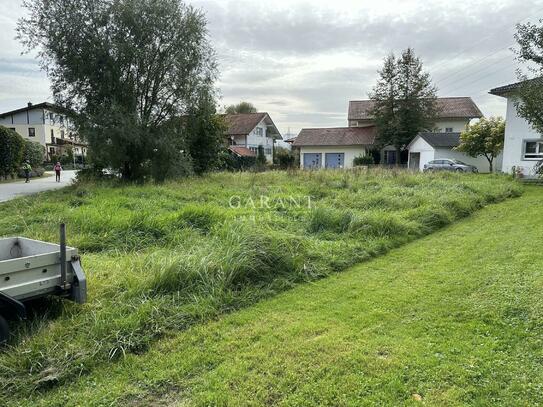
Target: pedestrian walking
27, 169
58, 169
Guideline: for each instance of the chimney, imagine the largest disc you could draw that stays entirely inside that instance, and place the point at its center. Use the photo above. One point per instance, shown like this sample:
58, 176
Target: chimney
29, 104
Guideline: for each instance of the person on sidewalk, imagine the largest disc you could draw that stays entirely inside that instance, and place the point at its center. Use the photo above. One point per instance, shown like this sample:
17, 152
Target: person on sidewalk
57, 169
27, 169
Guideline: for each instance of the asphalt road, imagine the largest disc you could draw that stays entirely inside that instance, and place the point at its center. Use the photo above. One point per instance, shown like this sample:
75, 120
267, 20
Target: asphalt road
12, 190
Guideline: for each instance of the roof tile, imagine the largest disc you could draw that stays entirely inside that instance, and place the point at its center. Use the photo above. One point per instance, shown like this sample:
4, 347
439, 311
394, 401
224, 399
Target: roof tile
339, 136
449, 108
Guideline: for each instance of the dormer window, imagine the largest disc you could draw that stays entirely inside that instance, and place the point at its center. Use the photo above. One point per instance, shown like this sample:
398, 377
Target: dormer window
259, 131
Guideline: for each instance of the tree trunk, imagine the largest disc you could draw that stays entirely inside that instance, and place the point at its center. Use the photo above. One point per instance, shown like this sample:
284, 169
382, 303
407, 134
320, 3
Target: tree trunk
398, 156
490, 166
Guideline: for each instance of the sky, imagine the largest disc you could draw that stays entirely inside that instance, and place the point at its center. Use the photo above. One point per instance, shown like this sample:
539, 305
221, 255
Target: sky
302, 61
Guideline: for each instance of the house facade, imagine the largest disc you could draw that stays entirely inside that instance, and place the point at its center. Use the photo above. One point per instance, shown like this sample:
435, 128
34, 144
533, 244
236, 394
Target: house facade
247, 131
523, 145
454, 115
45, 124
333, 147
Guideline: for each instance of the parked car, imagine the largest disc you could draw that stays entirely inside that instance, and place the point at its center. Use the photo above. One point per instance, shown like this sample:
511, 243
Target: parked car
449, 165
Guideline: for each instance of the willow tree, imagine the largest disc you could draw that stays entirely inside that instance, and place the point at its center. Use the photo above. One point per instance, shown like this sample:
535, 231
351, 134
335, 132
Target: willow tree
126, 69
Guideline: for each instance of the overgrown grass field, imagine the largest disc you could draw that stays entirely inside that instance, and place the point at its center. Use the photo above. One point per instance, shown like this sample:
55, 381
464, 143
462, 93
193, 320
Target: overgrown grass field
162, 258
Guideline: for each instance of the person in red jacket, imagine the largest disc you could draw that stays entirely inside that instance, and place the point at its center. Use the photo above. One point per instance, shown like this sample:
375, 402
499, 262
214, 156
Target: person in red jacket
57, 169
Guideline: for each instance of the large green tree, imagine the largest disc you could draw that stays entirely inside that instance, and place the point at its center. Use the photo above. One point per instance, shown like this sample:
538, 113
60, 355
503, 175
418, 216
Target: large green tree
126, 68
404, 101
484, 138
241, 107
206, 133
530, 53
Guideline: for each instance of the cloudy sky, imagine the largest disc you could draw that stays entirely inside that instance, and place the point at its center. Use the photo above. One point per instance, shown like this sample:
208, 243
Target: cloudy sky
302, 61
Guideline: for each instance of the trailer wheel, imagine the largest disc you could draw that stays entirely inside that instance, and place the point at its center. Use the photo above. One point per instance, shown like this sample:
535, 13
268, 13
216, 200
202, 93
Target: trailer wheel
4, 330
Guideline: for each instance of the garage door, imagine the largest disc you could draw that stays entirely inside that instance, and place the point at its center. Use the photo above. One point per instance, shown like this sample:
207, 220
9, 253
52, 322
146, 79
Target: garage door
335, 160
312, 160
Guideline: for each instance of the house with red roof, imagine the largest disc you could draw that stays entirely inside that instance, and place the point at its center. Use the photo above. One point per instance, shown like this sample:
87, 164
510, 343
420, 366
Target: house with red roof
247, 131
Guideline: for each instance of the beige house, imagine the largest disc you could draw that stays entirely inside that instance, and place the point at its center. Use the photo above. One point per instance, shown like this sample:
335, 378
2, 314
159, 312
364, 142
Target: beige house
45, 123
455, 114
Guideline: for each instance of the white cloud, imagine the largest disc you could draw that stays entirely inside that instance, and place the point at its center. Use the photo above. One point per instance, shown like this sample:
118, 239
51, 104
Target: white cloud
303, 60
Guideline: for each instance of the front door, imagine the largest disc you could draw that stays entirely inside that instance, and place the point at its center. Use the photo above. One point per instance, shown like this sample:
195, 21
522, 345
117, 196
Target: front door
312, 160
334, 160
414, 161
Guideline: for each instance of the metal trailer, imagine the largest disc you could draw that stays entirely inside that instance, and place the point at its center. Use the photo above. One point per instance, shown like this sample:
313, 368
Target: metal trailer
32, 269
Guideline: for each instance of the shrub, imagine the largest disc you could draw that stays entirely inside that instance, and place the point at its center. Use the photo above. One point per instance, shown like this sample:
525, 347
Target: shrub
11, 151
363, 160
229, 161
34, 153
284, 158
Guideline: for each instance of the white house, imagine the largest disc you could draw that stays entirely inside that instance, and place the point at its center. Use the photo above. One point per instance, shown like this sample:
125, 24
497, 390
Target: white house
45, 123
455, 114
333, 147
247, 131
523, 145
432, 146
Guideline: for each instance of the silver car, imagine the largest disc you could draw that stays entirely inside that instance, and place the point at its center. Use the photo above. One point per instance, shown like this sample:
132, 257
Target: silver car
449, 165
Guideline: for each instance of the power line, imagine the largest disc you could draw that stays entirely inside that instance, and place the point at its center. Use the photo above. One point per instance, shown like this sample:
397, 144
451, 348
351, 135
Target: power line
483, 39
480, 79
484, 58
450, 84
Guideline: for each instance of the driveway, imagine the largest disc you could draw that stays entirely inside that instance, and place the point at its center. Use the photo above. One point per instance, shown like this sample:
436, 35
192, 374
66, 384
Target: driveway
14, 189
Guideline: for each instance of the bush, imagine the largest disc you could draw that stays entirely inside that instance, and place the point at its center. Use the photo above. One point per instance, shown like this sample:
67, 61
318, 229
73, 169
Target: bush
227, 161
363, 160
34, 153
11, 151
284, 158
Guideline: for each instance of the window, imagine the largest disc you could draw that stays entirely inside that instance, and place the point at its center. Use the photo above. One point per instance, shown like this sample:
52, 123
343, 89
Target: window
62, 134
61, 119
52, 117
52, 136
390, 157
259, 131
533, 150
268, 151
31, 132
449, 130
254, 149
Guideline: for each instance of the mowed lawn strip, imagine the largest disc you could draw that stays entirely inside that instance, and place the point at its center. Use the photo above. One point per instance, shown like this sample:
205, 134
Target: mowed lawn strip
455, 318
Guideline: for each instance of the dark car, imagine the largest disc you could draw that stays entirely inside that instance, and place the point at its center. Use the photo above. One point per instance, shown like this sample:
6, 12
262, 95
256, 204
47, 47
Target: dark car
449, 165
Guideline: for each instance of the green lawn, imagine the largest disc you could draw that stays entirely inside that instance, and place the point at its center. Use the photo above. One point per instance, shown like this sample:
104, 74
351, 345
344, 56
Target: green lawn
166, 260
